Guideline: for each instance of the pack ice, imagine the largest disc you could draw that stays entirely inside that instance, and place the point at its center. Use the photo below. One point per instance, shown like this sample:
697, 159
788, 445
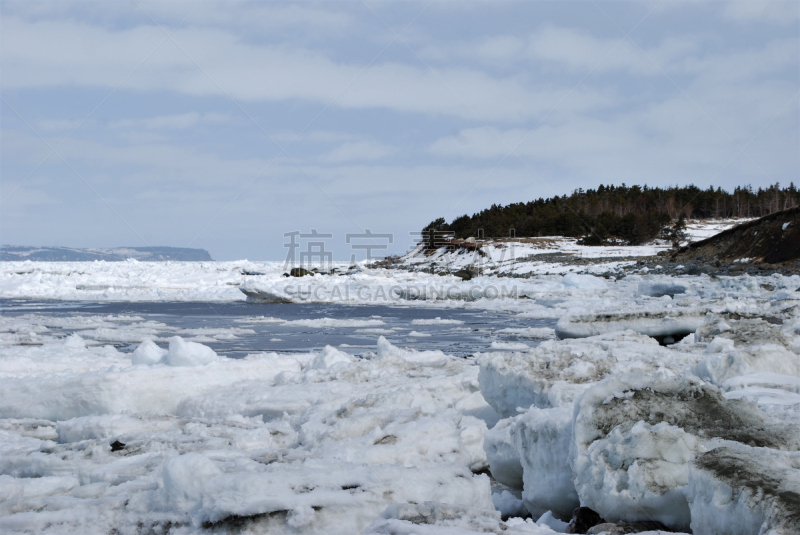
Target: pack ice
178, 439
659, 403
701, 435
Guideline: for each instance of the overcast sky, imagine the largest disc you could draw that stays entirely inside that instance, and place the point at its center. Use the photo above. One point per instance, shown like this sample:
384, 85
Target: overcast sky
223, 125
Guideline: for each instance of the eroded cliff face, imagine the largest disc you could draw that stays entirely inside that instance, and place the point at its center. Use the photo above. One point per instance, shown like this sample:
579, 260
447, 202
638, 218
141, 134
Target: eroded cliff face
771, 239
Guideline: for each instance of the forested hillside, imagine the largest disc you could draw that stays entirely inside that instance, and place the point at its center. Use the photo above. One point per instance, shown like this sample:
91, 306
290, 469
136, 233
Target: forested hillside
634, 214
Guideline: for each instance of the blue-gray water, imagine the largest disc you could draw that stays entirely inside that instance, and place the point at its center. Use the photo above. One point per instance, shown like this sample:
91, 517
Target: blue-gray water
477, 332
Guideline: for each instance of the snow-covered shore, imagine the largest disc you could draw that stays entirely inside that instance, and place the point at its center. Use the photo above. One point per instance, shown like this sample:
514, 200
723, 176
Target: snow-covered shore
702, 434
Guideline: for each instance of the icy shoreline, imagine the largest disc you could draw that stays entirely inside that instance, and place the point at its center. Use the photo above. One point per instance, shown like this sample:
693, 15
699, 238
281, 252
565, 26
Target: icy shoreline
702, 434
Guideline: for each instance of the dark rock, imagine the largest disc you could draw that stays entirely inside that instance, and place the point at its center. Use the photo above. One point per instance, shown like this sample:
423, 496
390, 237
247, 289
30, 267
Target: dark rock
463, 274
475, 270
623, 528
117, 446
583, 519
697, 270
300, 272
469, 272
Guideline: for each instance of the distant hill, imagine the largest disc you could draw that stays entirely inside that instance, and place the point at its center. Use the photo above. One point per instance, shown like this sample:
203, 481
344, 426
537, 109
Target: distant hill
118, 254
634, 214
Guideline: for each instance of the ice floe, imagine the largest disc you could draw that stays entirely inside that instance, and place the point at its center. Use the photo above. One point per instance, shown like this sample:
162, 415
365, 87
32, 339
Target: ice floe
159, 433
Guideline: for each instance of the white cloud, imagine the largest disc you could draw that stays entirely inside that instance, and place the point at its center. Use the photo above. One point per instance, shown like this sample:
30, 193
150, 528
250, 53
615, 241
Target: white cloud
58, 124
665, 142
569, 50
359, 151
177, 121
62, 53
241, 13
776, 56
576, 50
142, 163
321, 136
773, 11
722, 100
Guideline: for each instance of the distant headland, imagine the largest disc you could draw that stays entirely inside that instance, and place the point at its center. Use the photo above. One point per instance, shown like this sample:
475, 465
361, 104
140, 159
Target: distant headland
9, 253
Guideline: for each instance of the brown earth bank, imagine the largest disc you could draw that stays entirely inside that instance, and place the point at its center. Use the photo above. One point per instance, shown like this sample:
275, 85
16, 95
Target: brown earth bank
772, 239
762, 246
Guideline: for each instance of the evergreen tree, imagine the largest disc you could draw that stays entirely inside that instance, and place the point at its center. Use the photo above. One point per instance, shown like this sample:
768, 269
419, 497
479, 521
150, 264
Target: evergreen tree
630, 213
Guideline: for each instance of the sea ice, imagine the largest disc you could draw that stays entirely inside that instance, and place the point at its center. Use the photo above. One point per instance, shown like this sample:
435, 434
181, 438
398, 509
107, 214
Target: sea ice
183, 353
148, 353
330, 356
634, 436
555, 372
96, 438
504, 461
542, 438
741, 490
658, 322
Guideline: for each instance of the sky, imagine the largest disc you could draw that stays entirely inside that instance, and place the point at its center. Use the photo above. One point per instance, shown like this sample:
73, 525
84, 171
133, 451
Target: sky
225, 125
